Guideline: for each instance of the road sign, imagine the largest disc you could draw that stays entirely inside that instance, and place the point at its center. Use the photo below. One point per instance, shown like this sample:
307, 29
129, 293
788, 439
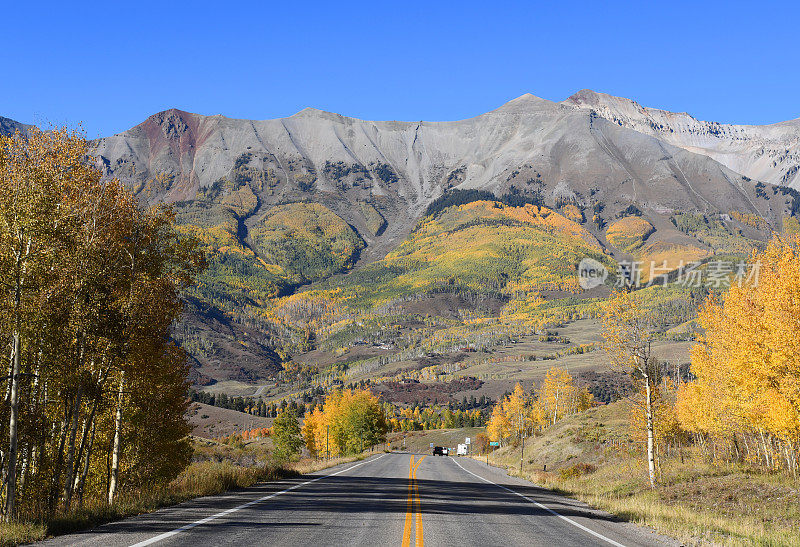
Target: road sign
467, 441
494, 443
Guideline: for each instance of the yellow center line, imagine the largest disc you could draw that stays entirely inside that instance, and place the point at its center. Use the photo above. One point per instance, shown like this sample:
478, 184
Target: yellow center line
413, 491
409, 506
420, 543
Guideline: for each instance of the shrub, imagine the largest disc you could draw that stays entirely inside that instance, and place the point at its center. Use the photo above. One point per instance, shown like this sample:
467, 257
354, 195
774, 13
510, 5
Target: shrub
576, 470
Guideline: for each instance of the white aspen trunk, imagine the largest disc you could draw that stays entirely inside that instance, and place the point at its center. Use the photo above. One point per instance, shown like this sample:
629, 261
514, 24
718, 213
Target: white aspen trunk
23, 469
59, 462
87, 438
13, 421
651, 463
81, 480
112, 484
10, 375
555, 410
766, 449
11, 472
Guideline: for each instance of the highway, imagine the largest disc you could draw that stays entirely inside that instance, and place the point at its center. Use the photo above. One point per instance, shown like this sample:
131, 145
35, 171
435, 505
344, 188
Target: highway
389, 499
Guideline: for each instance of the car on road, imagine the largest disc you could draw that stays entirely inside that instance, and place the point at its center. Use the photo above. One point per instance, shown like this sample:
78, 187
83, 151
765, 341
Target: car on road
439, 451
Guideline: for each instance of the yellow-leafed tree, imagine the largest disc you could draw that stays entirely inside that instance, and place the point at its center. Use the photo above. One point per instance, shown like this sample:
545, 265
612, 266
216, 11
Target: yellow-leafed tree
747, 362
350, 421
628, 329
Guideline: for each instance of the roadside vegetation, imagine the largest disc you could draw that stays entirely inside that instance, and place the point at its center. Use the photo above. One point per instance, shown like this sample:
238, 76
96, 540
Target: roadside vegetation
347, 423
711, 455
95, 392
216, 467
597, 456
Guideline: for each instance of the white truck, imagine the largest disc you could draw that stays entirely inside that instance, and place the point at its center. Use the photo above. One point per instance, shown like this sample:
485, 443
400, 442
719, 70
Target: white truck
463, 450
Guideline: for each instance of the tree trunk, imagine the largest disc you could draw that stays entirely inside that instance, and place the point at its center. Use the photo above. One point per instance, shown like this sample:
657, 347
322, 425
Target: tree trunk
55, 486
7, 396
555, 410
13, 425
85, 472
651, 462
112, 485
73, 431
23, 470
88, 431
16, 345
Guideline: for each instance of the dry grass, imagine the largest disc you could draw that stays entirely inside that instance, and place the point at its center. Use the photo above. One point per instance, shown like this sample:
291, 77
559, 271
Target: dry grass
16, 533
696, 502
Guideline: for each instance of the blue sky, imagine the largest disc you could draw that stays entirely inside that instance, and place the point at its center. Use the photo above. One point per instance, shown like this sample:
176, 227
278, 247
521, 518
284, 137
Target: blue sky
110, 65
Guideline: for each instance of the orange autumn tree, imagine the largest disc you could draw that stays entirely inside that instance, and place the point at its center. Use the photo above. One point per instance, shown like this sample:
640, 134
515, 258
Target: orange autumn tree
746, 395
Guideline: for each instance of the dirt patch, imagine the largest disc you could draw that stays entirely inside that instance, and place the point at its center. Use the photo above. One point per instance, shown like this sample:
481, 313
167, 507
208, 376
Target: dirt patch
412, 391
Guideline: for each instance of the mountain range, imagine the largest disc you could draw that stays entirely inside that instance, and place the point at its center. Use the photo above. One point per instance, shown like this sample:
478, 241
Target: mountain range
287, 205
590, 148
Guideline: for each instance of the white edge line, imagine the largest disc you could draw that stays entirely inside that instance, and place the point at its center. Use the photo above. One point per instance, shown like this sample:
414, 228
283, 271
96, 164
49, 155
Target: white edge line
166, 535
537, 504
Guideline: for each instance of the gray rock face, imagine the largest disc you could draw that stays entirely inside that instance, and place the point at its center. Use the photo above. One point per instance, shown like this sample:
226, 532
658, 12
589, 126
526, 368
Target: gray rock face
591, 149
575, 151
9, 127
770, 153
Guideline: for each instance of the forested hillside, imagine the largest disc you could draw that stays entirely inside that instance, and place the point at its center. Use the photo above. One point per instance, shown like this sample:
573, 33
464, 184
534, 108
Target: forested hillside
322, 230
335, 255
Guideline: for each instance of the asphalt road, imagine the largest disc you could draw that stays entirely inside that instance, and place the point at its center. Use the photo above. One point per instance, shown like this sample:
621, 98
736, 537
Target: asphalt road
390, 499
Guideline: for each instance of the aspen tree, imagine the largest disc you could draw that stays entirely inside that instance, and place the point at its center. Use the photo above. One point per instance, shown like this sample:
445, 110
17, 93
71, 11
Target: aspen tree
628, 330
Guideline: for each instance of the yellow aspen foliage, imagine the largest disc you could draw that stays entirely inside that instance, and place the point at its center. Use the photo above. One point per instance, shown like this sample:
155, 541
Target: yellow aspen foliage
314, 430
96, 392
350, 420
519, 415
747, 362
558, 397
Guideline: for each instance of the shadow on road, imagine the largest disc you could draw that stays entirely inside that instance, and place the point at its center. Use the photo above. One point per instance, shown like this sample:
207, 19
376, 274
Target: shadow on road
351, 495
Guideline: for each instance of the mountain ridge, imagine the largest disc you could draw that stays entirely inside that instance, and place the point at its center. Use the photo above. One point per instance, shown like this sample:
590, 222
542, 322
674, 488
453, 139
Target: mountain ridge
770, 153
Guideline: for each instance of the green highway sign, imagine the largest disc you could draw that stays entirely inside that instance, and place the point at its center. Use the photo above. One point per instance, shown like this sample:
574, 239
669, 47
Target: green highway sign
494, 443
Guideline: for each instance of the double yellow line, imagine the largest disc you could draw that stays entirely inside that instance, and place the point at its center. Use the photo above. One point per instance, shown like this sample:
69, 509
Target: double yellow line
413, 493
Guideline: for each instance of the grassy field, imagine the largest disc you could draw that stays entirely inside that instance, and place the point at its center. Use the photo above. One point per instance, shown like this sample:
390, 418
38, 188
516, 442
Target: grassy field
213, 422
